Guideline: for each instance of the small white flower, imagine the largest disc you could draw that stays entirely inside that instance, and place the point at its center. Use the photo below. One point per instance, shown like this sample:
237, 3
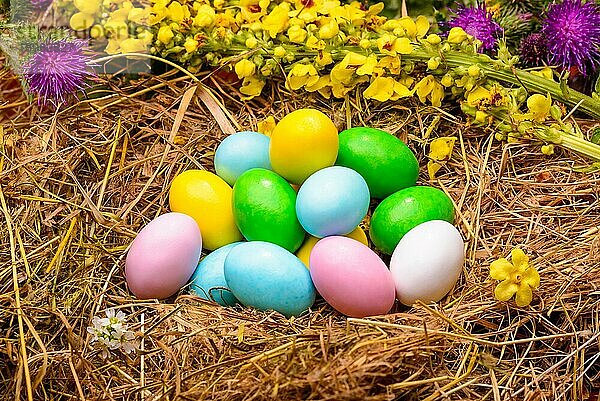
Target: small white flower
111, 333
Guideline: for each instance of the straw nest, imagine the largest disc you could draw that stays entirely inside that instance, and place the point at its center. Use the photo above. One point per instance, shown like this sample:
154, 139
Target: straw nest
78, 184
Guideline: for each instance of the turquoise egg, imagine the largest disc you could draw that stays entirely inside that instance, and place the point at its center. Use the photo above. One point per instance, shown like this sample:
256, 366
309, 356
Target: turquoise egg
241, 152
266, 276
332, 201
208, 280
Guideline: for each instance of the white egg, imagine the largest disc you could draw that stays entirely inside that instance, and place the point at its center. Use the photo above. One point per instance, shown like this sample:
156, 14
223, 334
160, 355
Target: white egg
427, 262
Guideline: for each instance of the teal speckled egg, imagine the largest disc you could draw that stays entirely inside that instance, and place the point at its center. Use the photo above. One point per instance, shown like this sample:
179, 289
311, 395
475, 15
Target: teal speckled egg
266, 276
400, 212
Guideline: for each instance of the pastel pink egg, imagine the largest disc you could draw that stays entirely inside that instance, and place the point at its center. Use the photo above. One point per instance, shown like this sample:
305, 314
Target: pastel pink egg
351, 277
163, 256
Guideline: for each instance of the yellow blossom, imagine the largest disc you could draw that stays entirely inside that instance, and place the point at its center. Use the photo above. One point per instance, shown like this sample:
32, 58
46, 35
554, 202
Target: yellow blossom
190, 44
302, 75
131, 45
81, 21
146, 36
447, 80
177, 12
539, 106
381, 88
296, 34
473, 70
322, 83
97, 31
251, 42
113, 46
165, 34
266, 126
315, 44
407, 26
138, 15
89, 7
477, 95
329, 29
457, 35
279, 51
117, 29
517, 276
324, 58
429, 87
252, 87
422, 24
368, 66
365, 43
440, 150
545, 72
385, 43
121, 13
218, 4
244, 68
277, 20
548, 149
433, 63
434, 39
205, 16
481, 116
391, 63
403, 46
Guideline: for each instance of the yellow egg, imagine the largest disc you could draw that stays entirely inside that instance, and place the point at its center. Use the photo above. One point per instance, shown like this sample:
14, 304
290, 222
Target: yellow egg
303, 253
207, 198
303, 142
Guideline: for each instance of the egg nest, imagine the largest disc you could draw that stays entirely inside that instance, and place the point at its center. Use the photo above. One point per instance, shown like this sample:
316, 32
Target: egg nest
78, 184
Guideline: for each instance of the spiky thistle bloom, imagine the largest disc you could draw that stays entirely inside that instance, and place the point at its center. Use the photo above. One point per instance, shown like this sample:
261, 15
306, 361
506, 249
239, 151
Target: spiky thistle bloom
477, 21
572, 31
57, 70
533, 50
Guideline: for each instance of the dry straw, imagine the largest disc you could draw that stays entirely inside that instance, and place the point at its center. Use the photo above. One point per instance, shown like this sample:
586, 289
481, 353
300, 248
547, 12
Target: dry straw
77, 184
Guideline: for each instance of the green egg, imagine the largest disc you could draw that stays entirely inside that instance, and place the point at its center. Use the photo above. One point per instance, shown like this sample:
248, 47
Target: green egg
400, 212
384, 161
264, 208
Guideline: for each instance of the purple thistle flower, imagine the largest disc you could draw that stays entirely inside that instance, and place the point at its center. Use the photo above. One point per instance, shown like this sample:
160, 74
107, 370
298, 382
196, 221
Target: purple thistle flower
533, 50
58, 70
477, 21
572, 31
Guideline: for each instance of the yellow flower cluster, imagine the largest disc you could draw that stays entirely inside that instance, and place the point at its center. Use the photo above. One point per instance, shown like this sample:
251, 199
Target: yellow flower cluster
122, 25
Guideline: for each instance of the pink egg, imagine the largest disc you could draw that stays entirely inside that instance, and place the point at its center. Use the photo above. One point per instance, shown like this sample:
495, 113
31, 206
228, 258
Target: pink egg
163, 256
351, 277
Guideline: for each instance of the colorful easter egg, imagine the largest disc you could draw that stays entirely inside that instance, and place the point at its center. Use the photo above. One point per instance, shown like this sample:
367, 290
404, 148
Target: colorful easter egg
402, 211
266, 276
208, 280
351, 277
427, 262
384, 161
332, 201
163, 256
241, 152
303, 142
304, 252
264, 205
207, 198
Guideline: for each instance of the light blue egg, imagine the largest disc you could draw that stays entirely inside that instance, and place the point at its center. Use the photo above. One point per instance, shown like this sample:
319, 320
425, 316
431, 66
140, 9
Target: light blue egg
332, 201
241, 152
267, 276
208, 281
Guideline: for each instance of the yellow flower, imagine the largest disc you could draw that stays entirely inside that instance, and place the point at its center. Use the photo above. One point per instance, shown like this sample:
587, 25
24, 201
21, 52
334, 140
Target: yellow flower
165, 34
190, 44
279, 51
266, 126
324, 58
403, 46
457, 35
433, 63
385, 43
138, 15
539, 106
365, 43
244, 68
121, 14
434, 39
368, 66
477, 95
545, 72
429, 87
517, 278
252, 87
131, 45
422, 24
251, 42
277, 19
177, 12
302, 75
81, 21
381, 88
315, 44
205, 16
296, 34
87, 6
391, 63
113, 46
329, 29
146, 36
97, 31
321, 84
441, 148
548, 149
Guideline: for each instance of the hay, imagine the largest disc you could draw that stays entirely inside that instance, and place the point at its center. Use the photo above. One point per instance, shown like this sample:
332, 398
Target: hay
76, 185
